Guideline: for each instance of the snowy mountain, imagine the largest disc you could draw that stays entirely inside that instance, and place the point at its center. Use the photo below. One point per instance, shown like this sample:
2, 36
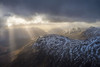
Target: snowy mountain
59, 51
92, 32
65, 49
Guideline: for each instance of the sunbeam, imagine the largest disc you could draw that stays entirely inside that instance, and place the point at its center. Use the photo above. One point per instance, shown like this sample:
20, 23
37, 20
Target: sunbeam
29, 32
11, 39
2, 36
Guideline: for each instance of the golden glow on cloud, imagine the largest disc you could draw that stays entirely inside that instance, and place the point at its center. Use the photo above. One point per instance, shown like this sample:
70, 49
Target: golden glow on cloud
15, 20
39, 19
9, 24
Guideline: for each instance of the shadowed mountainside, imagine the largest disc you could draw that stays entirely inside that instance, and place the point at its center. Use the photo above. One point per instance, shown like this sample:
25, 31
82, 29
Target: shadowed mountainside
12, 40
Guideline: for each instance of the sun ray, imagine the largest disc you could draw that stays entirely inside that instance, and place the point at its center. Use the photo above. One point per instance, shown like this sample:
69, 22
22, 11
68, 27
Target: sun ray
29, 32
12, 43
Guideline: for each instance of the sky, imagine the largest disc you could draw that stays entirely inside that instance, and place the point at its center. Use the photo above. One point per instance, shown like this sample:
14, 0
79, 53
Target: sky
54, 10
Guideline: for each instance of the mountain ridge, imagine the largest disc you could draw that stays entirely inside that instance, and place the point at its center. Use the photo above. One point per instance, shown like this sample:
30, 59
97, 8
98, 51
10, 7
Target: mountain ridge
60, 51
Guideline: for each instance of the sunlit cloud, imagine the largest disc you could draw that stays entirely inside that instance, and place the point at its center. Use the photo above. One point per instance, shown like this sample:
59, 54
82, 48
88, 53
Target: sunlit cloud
16, 20
9, 24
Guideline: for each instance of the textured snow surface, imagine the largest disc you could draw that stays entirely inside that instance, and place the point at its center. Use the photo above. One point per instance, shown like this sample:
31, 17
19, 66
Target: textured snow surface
92, 32
77, 51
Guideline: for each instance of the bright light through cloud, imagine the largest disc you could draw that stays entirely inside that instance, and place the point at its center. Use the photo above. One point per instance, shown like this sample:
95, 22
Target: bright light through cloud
40, 19
15, 20
9, 24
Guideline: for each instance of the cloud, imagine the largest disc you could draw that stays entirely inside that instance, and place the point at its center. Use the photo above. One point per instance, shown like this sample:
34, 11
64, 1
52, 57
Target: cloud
57, 10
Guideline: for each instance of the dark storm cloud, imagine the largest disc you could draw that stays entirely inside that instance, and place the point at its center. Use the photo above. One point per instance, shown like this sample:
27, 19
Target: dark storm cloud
57, 10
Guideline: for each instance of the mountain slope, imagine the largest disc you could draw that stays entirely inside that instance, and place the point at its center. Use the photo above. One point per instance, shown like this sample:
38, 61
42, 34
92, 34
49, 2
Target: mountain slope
60, 51
92, 32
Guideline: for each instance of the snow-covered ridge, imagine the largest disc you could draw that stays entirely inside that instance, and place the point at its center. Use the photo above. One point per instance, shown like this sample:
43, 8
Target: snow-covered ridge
92, 32
60, 51
60, 47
